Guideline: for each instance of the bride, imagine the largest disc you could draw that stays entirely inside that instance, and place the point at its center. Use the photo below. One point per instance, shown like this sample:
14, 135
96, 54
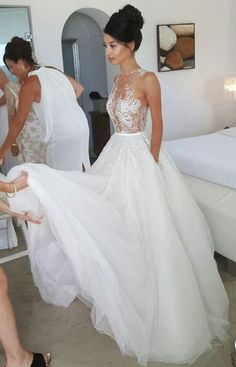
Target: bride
126, 236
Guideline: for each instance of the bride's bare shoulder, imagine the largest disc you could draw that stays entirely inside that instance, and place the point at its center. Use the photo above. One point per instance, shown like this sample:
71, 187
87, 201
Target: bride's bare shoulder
150, 80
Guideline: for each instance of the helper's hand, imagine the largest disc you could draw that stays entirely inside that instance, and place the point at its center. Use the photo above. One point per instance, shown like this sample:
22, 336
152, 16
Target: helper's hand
21, 182
29, 217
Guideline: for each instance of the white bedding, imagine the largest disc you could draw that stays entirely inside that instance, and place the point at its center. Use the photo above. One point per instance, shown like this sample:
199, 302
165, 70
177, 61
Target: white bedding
209, 157
218, 204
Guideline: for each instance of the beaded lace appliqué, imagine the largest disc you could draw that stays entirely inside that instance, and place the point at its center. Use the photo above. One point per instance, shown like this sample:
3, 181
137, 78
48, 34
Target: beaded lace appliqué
127, 112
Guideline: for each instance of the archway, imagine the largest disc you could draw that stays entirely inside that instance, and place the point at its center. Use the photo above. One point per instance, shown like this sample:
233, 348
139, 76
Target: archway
84, 59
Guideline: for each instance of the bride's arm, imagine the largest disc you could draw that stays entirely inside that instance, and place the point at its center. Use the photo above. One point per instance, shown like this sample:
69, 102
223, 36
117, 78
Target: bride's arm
153, 97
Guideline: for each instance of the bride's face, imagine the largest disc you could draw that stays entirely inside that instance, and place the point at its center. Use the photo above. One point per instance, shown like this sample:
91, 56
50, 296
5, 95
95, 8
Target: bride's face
116, 51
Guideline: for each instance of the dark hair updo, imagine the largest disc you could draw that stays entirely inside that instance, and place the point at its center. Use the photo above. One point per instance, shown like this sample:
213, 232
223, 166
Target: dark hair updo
18, 49
125, 26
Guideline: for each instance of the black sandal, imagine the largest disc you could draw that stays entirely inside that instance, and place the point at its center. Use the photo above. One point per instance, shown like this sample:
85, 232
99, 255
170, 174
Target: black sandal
41, 360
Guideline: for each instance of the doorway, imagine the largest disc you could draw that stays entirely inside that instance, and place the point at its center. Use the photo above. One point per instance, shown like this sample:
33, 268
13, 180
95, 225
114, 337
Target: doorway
84, 59
71, 60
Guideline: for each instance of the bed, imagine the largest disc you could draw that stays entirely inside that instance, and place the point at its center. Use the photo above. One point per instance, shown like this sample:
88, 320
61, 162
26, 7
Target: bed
208, 165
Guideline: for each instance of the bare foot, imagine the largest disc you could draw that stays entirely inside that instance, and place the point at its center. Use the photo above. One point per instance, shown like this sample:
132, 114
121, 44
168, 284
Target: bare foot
24, 360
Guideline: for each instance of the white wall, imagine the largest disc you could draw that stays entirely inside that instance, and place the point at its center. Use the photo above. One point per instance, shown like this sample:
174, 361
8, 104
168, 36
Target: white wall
19, 23
192, 99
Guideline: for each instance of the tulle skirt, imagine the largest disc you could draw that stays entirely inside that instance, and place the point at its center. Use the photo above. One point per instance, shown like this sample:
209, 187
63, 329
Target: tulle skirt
127, 238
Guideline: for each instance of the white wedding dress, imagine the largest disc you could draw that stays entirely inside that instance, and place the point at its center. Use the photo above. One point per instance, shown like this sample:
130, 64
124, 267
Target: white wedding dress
128, 239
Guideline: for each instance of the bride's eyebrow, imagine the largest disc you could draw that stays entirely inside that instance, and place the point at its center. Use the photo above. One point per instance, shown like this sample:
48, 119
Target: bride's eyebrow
109, 43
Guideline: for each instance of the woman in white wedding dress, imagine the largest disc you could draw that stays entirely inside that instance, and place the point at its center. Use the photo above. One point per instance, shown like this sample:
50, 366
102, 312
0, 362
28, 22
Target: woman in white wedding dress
126, 236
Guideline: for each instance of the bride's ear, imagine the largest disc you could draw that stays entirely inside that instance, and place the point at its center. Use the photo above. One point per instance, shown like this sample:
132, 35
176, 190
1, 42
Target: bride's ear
131, 46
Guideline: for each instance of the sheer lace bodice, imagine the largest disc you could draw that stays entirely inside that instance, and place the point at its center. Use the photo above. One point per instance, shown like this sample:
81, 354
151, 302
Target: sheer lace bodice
127, 112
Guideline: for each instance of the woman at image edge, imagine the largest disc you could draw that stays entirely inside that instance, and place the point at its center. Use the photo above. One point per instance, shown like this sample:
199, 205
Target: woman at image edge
126, 235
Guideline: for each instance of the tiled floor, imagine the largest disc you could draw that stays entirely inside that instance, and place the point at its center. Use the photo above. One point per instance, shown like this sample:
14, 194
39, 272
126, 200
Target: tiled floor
69, 335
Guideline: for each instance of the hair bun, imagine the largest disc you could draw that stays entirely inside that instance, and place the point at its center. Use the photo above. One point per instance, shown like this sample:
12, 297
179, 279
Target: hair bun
133, 15
16, 39
125, 26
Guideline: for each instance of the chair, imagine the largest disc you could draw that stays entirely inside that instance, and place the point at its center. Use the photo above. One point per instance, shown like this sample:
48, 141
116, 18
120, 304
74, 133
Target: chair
8, 237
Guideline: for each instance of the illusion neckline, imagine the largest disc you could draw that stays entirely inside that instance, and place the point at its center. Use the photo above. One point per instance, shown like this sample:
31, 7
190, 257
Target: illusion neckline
131, 73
